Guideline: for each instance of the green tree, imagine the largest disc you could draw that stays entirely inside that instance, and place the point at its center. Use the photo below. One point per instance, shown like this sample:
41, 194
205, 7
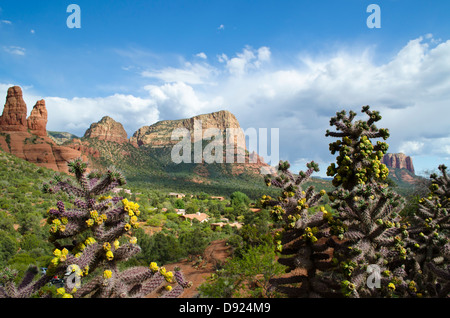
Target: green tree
245, 276
8, 246
179, 204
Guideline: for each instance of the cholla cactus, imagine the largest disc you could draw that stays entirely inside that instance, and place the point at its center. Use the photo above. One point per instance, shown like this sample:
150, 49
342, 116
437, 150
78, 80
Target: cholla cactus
364, 233
368, 235
26, 287
97, 234
368, 220
302, 239
358, 161
429, 238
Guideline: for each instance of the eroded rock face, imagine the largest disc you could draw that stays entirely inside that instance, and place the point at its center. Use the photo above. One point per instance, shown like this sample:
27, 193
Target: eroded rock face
160, 133
398, 161
14, 116
107, 129
37, 121
27, 138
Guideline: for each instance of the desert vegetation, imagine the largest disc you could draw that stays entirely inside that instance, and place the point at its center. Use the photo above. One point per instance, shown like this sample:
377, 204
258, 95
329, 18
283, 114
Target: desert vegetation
354, 236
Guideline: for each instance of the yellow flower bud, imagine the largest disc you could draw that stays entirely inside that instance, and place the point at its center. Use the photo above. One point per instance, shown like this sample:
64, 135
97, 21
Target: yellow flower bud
109, 255
107, 274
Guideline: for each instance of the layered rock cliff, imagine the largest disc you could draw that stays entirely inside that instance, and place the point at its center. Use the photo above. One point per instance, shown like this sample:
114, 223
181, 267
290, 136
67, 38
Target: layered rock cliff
159, 134
222, 124
398, 161
27, 138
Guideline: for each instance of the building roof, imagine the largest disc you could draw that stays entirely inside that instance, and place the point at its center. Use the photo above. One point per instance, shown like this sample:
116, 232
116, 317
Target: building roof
199, 216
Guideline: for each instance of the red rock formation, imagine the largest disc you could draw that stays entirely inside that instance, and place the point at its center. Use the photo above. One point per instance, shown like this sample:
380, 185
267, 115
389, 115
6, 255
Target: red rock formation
37, 121
159, 135
27, 139
398, 161
107, 129
14, 116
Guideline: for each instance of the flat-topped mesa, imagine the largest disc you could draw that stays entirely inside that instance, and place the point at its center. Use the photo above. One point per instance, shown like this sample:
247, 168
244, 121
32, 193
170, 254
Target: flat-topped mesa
37, 121
398, 161
107, 129
14, 116
160, 133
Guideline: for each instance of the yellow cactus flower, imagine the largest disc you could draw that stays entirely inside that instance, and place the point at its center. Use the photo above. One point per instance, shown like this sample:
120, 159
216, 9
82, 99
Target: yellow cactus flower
93, 214
55, 261
106, 246
90, 241
154, 267
133, 240
116, 244
61, 291
109, 255
107, 274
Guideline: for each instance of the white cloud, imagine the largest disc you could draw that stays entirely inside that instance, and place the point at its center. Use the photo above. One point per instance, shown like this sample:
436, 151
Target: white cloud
411, 91
221, 27
201, 55
6, 22
247, 60
411, 147
77, 114
15, 50
190, 73
179, 100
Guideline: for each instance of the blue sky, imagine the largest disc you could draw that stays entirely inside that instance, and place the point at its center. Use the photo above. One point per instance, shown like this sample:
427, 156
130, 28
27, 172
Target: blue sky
274, 64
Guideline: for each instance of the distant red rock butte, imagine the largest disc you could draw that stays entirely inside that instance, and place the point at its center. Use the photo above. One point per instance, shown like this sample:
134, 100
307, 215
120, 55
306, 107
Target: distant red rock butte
398, 161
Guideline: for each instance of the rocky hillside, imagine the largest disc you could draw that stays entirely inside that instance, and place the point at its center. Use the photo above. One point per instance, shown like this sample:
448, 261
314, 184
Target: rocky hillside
146, 156
159, 134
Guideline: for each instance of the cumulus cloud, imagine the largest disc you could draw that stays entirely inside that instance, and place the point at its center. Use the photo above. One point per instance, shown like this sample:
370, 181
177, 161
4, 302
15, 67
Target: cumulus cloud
411, 90
247, 60
201, 55
179, 100
76, 114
